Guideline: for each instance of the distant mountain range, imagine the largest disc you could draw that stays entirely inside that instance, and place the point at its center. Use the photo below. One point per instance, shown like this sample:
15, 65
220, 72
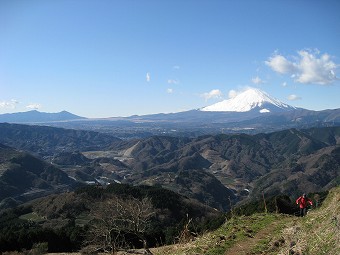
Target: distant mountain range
252, 111
36, 116
249, 109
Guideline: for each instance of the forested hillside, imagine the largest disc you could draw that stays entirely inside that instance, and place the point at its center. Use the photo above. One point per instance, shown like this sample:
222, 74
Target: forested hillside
46, 141
289, 162
24, 177
217, 170
76, 220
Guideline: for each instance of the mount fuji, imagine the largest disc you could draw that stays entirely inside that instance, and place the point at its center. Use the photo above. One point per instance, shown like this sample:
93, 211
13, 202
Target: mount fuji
251, 99
250, 104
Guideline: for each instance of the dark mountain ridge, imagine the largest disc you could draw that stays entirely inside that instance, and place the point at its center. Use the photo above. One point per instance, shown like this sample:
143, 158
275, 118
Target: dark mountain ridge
238, 166
245, 161
46, 141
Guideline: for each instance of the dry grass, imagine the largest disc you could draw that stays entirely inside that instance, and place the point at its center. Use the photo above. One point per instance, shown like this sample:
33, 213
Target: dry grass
322, 227
317, 233
239, 230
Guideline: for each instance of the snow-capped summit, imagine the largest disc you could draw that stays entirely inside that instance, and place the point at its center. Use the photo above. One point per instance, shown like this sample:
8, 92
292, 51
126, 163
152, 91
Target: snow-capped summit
250, 99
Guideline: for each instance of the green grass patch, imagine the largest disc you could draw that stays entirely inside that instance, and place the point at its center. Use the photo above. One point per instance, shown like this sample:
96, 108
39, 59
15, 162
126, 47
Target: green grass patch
260, 247
238, 229
32, 216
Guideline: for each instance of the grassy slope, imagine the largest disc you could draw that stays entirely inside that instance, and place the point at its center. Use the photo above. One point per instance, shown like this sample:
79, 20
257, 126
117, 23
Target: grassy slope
318, 233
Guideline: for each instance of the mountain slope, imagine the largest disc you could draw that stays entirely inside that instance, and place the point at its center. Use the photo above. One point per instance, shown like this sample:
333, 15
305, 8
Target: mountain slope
279, 162
64, 221
46, 141
271, 234
23, 176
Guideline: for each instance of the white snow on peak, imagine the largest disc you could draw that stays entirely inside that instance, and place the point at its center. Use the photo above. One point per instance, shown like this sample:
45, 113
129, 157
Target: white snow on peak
264, 110
246, 101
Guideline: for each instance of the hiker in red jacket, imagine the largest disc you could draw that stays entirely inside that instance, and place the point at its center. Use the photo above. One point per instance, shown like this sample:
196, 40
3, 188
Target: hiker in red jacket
303, 201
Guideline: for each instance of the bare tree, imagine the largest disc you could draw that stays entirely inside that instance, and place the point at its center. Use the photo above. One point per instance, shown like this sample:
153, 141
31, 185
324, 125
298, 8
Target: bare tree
115, 218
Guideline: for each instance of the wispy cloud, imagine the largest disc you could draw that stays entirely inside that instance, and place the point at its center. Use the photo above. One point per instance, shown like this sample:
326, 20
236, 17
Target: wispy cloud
284, 84
169, 91
307, 67
293, 97
176, 67
171, 81
257, 80
8, 104
233, 93
148, 77
33, 106
215, 93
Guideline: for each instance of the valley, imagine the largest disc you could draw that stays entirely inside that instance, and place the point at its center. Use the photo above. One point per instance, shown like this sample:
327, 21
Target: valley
217, 170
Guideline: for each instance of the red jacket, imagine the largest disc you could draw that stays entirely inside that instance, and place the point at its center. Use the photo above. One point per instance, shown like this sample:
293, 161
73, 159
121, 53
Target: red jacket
303, 201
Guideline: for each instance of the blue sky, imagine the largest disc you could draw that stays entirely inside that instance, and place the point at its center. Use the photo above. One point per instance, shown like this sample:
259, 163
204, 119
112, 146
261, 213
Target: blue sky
120, 58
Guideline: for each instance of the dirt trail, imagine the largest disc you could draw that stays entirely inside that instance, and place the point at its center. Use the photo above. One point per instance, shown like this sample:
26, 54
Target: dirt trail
245, 246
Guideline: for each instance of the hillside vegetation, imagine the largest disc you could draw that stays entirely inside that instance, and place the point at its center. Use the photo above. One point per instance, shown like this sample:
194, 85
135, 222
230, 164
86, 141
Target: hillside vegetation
64, 221
261, 233
47, 222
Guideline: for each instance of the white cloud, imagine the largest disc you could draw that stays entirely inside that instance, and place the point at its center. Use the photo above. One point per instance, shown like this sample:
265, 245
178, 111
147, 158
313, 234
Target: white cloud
170, 81
293, 97
33, 106
215, 93
148, 77
316, 70
232, 93
169, 91
9, 104
280, 64
257, 80
176, 67
306, 68
284, 84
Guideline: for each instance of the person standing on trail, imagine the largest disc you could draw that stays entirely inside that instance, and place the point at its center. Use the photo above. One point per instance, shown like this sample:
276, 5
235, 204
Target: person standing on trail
303, 201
